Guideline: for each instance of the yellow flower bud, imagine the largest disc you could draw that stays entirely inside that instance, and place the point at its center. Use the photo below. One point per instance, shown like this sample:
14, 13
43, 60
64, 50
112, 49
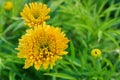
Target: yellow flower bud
96, 53
8, 5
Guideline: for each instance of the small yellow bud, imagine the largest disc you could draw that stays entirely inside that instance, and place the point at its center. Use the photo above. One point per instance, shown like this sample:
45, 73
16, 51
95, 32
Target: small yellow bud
96, 53
8, 5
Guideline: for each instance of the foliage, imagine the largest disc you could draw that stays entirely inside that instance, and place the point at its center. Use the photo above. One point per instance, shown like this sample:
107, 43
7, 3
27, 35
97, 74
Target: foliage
89, 24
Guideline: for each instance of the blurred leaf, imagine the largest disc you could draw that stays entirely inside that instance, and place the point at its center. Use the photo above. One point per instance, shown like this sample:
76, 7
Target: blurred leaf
109, 24
12, 75
11, 26
112, 39
55, 4
7, 42
60, 75
72, 50
99, 35
18, 26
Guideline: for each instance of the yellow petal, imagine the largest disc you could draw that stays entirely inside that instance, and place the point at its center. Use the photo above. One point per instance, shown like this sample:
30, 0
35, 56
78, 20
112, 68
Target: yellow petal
28, 63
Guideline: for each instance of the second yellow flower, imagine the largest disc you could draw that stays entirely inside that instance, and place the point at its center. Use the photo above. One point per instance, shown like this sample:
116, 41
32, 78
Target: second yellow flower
35, 14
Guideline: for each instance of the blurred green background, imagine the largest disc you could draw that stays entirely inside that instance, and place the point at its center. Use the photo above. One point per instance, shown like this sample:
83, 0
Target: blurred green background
88, 24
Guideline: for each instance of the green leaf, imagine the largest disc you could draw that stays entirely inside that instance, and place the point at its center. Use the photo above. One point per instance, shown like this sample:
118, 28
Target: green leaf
61, 75
83, 42
7, 42
11, 75
72, 49
109, 63
55, 5
102, 6
99, 35
112, 39
10, 27
108, 24
18, 26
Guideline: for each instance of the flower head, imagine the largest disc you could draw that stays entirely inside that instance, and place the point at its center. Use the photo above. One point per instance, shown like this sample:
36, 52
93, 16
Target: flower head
35, 14
42, 46
96, 53
8, 5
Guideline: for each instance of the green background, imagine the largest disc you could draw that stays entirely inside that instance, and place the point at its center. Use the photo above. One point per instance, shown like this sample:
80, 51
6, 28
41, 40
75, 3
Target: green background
88, 24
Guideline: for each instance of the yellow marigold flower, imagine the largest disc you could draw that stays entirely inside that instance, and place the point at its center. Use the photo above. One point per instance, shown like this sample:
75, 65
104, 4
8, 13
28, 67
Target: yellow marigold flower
35, 14
42, 46
8, 5
96, 53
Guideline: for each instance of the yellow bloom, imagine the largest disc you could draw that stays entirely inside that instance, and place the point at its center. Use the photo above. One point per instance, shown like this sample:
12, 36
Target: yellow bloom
8, 5
42, 46
96, 53
35, 14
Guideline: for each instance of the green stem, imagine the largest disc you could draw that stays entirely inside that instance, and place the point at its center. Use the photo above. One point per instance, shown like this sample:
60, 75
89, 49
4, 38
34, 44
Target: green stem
98, 65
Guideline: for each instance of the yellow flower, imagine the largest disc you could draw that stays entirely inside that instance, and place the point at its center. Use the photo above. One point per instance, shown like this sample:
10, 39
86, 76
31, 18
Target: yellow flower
8, 5
96, 53
42, 46
35, 14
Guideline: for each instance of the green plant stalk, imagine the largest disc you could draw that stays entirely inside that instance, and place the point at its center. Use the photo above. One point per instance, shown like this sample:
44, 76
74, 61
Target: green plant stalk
98, 65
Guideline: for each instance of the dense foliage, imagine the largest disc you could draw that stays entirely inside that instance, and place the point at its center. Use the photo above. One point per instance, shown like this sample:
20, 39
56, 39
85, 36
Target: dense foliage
89, 24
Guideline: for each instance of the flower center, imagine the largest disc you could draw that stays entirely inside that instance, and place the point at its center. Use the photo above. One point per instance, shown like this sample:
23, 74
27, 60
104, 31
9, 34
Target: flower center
44, 50
95, 52
45, 46
36, 14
